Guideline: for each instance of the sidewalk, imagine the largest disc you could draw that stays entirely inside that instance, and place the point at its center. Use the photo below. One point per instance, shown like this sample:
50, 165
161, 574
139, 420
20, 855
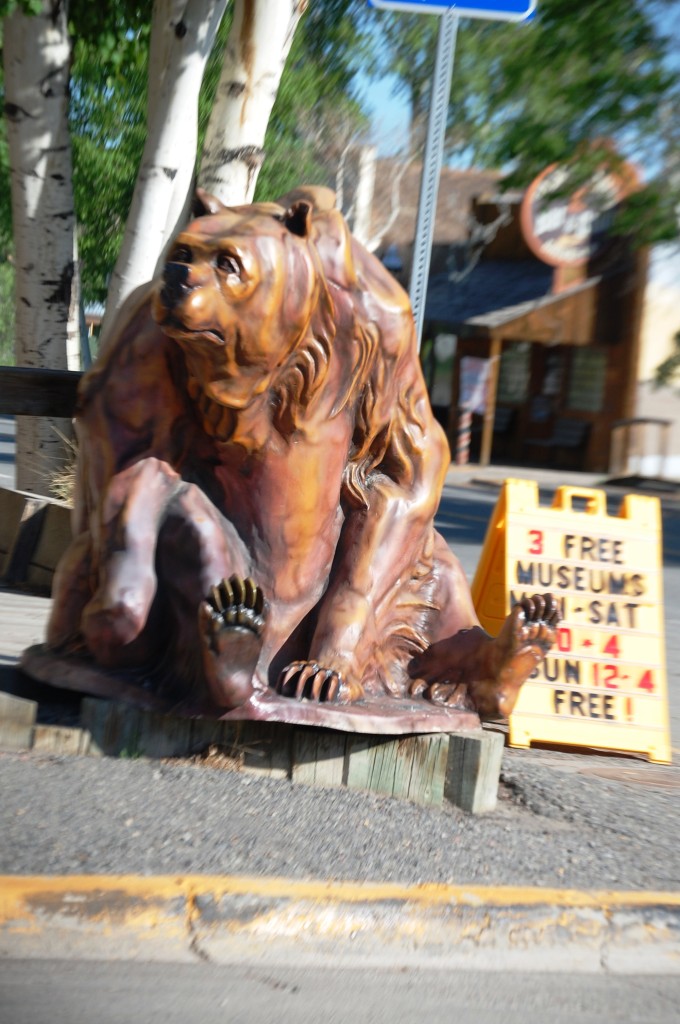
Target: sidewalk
494, 475
548, 480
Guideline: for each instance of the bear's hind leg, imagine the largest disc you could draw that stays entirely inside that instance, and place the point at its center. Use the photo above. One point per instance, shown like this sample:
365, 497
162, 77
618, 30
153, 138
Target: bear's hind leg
472, 668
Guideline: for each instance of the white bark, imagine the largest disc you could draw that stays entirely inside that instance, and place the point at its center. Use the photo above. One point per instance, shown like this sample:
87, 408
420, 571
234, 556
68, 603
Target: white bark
37, 56
375, 240
182, 34
363, 196
259, 42
340, 182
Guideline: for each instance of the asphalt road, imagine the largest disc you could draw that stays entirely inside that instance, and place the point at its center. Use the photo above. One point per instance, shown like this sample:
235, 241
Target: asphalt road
61, 992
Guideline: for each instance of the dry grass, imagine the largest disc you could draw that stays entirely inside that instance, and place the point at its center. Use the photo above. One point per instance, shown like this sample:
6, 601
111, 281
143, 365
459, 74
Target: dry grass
215, 756
62, 481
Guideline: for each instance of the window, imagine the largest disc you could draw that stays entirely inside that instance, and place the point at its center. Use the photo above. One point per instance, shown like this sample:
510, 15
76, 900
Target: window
437, 361
513, 377
586, 381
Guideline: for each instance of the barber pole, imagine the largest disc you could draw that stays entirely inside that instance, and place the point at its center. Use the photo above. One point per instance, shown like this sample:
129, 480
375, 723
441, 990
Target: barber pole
463, 437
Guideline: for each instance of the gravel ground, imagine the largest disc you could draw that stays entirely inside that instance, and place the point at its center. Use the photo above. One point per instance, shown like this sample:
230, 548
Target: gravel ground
558, 823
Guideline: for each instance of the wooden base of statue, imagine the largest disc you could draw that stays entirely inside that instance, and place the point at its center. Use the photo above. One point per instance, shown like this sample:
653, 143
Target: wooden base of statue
462, 768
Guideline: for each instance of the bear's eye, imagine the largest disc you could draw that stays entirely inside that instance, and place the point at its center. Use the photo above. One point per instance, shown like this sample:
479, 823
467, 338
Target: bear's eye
181, 254
228, 263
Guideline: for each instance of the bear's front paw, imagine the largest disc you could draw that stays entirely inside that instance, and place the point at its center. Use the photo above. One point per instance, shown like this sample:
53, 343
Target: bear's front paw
307, 680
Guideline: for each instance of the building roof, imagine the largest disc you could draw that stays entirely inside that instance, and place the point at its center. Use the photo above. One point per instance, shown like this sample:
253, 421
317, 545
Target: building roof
457, 190
490, 287
511, 314
502, 299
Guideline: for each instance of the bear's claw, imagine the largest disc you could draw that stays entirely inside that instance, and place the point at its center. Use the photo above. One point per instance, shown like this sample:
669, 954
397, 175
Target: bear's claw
309, 680
232, 603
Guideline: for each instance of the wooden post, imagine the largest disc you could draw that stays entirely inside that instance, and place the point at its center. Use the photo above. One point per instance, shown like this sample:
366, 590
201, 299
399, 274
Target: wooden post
17, 719
60, 739
490, 411
318, 756
473, 770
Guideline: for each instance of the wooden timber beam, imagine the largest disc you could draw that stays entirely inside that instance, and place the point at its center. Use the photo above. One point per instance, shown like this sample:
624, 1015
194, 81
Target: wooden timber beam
28, 391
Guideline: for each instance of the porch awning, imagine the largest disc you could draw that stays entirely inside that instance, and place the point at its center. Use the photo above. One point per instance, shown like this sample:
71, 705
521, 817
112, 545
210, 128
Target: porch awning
564, 319
512, 300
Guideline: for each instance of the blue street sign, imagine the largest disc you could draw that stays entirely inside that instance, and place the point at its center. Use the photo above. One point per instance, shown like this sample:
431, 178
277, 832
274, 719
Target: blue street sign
493, 10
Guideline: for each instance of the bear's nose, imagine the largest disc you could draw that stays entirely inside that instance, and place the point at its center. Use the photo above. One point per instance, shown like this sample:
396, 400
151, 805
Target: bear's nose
176, 283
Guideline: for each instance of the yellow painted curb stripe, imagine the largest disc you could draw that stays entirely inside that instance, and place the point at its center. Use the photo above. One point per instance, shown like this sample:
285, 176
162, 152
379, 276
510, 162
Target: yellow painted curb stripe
15, 890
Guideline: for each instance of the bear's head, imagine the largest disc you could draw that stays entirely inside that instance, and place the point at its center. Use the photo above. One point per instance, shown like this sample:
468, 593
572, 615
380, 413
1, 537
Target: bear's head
238, 294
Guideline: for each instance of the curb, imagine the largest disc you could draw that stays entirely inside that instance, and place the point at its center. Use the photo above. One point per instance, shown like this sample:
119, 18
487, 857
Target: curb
224, 919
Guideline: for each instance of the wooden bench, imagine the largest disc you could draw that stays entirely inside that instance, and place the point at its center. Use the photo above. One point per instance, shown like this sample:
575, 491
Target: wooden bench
503, 424
504, 419
31, 391
35, 530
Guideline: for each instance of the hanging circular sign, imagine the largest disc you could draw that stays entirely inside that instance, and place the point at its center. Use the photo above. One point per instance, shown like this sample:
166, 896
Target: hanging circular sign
570, 229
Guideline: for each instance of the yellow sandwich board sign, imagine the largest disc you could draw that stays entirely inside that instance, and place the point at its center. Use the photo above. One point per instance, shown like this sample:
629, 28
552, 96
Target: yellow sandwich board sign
604, 682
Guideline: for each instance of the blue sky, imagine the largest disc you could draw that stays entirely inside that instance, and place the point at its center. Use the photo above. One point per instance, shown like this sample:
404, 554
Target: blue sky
389, 116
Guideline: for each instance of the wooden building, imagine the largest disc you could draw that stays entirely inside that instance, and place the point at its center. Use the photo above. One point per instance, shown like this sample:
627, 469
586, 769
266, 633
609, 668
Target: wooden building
558, 342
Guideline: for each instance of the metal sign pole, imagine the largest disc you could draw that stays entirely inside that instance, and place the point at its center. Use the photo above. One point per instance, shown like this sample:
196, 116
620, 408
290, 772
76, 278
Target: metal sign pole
432, 161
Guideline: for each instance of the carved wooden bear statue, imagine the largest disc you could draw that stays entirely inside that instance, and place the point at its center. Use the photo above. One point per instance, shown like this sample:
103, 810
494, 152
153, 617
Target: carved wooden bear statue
259, 471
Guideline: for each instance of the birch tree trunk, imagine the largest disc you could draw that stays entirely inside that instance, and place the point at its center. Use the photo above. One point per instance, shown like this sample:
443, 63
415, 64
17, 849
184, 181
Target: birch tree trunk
259, 43
364, 193
182, 34
37, 59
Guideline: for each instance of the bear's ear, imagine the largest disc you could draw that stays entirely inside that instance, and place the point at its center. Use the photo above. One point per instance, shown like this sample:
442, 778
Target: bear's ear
205, 204
298, 218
